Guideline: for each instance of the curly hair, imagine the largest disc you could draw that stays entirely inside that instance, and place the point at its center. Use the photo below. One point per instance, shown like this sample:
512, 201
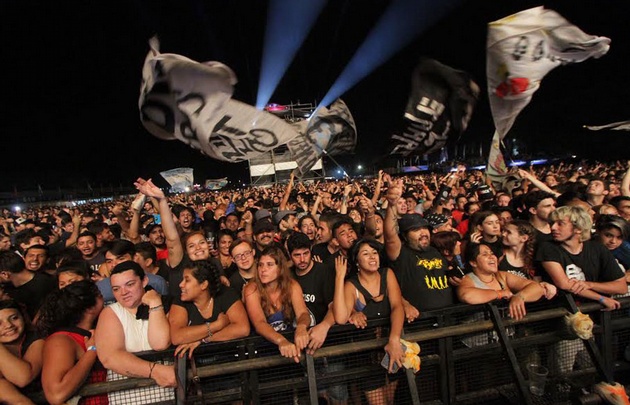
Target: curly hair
284, 285
205, 270
66, 307
524, 228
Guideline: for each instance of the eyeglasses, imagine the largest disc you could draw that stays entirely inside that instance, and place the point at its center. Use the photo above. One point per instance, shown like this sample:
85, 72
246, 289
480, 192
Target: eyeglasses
244, 255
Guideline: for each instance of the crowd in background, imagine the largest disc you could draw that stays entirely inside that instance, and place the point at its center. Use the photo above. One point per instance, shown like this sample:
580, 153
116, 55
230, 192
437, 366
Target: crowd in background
103, 281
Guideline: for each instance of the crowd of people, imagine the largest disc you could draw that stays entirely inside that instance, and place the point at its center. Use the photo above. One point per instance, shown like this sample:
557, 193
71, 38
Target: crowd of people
105, 281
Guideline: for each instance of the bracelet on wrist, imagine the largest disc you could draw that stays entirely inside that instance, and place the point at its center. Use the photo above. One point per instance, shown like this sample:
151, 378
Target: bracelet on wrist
151, 367
601, 299
153, 309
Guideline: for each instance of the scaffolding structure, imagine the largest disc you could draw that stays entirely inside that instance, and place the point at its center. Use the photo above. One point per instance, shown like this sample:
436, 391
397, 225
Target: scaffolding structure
276, 165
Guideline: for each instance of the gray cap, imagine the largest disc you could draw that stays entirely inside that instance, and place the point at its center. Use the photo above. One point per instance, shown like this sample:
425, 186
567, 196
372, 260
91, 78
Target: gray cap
262, 213
281, 214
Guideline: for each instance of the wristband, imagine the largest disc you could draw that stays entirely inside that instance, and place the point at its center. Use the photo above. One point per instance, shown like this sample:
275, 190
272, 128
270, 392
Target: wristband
209, 331
91, 348
153, 309
601, 299
499, 295
151, 367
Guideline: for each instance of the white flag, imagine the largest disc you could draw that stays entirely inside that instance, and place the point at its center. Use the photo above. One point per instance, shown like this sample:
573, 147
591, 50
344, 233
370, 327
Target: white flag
216, 184
521, 50
331, 130
180, 178
616, 126
190, 101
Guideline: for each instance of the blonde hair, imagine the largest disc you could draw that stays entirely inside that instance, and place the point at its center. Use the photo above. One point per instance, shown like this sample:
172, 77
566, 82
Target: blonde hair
578, 217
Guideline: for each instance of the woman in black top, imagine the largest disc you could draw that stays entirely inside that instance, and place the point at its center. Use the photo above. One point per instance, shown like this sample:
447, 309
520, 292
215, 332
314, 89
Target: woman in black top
206, 311
20, 353
374, 292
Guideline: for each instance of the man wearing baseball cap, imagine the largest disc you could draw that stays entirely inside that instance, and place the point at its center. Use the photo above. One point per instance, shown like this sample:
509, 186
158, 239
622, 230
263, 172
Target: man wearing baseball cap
420, 268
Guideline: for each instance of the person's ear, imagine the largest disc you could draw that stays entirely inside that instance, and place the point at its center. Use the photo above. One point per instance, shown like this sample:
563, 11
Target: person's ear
145, 281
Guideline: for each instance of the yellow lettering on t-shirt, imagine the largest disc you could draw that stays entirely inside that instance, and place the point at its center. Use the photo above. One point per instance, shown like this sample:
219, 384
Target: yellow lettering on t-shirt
430, 264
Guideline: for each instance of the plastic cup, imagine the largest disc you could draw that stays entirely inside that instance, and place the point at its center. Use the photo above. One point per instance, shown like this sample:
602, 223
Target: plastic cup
537, 378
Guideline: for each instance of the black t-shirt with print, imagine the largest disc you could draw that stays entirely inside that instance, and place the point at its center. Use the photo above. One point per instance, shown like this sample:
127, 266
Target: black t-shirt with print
423, 279
318, 288
593, 263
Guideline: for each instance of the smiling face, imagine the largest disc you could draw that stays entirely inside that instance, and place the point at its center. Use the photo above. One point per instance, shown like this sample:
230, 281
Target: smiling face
368, 258
190, 286
243, 256
419, 239
197, 247
231, 223
224, 244
87, 246
486, 262
11, 325
156, 236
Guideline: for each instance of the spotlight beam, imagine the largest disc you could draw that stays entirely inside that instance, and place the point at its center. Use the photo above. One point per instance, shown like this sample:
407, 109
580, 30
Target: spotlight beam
398, 26
288, 24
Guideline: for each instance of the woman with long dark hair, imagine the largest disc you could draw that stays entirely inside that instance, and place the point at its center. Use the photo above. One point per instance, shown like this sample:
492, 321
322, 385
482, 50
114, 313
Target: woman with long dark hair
374, 291
67, 318
20, 353
274, 301
206, 311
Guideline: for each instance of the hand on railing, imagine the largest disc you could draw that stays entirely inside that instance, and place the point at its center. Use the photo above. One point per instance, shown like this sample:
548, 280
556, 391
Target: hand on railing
187, 347
411, 312
317, 336
289, 350
358, 319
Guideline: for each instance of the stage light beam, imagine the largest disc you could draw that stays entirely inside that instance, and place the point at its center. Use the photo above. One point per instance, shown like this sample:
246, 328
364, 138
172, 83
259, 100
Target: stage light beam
288, 24
398, 26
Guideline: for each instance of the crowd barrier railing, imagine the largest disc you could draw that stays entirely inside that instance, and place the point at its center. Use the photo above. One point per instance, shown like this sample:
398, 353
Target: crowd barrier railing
469, 354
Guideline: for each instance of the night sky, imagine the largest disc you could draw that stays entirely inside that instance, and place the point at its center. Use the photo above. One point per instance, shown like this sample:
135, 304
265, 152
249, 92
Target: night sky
71, 73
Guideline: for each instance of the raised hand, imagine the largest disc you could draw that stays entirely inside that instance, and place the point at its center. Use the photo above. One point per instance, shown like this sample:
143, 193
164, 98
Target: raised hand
149, 189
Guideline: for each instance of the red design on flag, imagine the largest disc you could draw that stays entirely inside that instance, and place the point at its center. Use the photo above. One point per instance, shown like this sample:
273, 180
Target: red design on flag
512, 87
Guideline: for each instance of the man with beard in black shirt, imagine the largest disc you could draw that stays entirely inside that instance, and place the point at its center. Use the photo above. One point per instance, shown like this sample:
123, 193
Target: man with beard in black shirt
420, 268
318, 283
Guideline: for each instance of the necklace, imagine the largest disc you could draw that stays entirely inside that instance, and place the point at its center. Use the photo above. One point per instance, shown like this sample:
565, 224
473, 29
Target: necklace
487, 282
206, 308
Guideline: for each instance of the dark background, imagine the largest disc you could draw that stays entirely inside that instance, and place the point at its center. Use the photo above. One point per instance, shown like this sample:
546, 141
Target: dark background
71, 74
